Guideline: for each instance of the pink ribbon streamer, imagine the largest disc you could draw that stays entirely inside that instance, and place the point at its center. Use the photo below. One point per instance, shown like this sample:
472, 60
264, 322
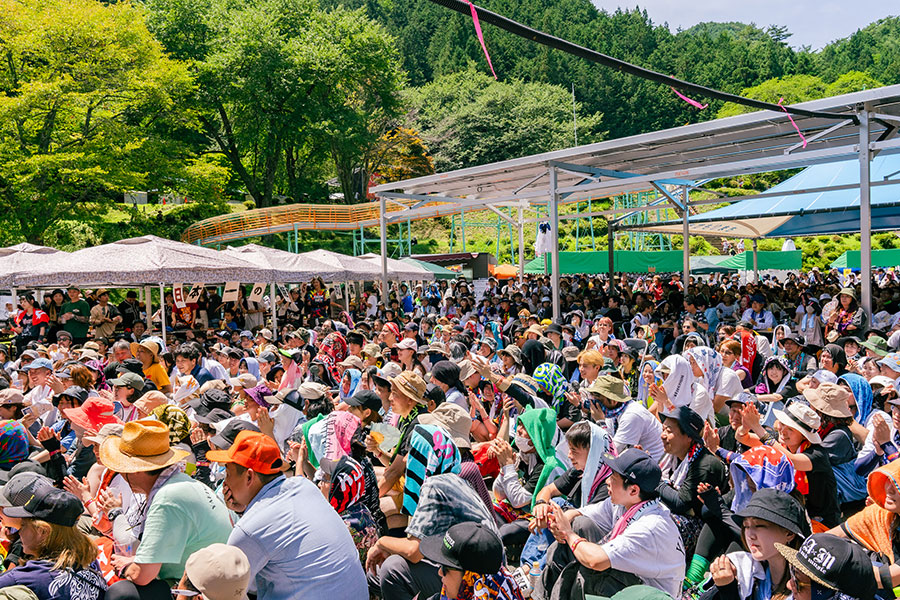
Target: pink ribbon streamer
780, 103
481, 36
690, 101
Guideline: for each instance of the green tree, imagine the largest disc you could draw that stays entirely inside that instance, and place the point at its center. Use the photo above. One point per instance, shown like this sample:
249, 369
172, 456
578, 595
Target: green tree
283, 85
469, 119
88, 106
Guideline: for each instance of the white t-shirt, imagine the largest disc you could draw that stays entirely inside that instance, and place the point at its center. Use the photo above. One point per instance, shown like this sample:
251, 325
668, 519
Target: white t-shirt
729, 383
702, 404
650, 547
637, 426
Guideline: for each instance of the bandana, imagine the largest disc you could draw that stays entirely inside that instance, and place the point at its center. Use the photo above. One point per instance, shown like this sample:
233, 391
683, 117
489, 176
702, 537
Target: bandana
13, 443
595, 469
347, 484
175, 419
681, 471
710, 363
540, 423
339, 429
679, 384
333, 350
499, 586
630, 515
862, 392
552, 381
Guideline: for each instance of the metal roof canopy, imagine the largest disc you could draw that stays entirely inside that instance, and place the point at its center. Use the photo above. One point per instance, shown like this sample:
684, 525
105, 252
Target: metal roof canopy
748, 143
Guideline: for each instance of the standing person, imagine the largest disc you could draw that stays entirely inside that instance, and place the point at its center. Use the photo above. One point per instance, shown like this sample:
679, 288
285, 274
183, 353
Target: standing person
130, 310
297, 544
104, 316
75, 316
31, 323
179, 516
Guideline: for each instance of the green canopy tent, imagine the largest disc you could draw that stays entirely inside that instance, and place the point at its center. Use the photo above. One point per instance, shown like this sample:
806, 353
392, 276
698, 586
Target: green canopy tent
439, 271
880, 258
625, 261
780, 261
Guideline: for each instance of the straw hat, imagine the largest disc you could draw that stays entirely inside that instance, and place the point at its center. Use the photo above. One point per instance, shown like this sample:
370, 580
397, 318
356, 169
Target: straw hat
144, 446
148, 345
411, 385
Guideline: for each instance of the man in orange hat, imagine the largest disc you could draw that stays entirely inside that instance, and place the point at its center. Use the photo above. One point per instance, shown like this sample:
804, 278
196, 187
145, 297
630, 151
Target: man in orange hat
298, 546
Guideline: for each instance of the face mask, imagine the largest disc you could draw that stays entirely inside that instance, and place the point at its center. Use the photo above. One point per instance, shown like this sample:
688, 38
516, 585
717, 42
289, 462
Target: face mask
523, 444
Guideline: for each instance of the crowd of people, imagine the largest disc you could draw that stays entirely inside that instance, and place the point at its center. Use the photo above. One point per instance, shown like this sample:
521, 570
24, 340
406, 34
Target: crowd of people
707, 438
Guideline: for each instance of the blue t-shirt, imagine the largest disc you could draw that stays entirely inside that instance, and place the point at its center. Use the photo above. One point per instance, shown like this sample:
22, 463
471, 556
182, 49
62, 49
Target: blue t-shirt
37, 576
201, 374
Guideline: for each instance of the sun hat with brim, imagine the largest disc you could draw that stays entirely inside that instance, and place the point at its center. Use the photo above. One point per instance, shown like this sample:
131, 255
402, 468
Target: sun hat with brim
528, 383
513, 351
26, 466
148, 345
833, 562
801, 418
879, 477
107, 431
150, 400
830, 399
251, 450
144, 446
847, 292
876, 344
352, 362
214, 416
466, 370
609, 387
410, 385
12, 396
690, 423
778, 507
51, 505
535, 329
93, 414
219, 572
453, 419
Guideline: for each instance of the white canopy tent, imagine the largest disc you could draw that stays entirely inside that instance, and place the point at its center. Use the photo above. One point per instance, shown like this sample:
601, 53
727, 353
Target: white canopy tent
347, 268
285, 267
23, 258
399, 270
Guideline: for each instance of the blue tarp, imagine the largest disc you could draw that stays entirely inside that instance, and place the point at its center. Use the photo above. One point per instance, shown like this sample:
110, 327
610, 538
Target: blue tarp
811, 213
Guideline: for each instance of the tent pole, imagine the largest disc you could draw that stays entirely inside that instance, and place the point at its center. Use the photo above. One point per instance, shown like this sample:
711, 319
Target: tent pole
553, 209
274, 310
149, 307
686, 234
521, 246
865, 212
162, 312
383, 227
611, 252
755, 261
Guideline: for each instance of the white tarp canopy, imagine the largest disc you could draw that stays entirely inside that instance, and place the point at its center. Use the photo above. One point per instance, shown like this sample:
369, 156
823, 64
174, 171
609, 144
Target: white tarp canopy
139, 261
399, 270
23, 258
348, 268
286, 267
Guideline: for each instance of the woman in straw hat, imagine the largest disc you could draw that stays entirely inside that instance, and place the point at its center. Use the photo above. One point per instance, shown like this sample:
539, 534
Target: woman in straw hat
179, 516
147, 351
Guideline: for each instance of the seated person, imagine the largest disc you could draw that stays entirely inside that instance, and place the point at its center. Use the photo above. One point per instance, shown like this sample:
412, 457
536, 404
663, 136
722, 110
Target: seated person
643, 545
629, 422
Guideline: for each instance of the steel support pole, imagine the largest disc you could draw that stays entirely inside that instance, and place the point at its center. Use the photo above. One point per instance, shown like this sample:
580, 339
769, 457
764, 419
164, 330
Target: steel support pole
462, 226
865, 213
148, 295
553, 210
521, 246
611, 254
162, 313
755, 261
384, 269
272, 290
686, 234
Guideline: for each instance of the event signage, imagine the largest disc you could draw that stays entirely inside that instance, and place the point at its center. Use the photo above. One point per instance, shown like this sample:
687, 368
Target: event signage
231, 291
257, 294
178, 295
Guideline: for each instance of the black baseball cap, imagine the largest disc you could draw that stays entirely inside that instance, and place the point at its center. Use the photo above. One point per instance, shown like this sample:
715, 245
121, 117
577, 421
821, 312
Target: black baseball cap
131, 365
213, 416
209, 400
25, 466
637, 466
465, 547
227, 436
76, 392
690, 422
366, 399
49, 504
835, 563
779, 508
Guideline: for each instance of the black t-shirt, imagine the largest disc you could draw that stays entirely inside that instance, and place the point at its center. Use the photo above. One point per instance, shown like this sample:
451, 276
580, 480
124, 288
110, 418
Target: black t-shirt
822, 501
838, 444
706, 468
569, 485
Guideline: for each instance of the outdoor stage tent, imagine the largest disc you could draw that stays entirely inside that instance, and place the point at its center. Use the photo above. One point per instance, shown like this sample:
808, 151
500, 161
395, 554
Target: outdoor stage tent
284, 267
779, 261
880, 258
22, 258
398, 270
438, 271
782, 212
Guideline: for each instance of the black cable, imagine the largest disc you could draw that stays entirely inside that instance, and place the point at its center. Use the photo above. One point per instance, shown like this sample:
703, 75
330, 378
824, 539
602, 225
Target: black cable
546, 39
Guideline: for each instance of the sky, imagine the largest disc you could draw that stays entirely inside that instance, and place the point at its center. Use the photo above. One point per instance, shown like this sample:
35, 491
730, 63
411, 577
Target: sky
813, 22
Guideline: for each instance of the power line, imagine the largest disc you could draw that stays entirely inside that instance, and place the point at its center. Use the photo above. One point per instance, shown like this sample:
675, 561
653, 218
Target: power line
551, 41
